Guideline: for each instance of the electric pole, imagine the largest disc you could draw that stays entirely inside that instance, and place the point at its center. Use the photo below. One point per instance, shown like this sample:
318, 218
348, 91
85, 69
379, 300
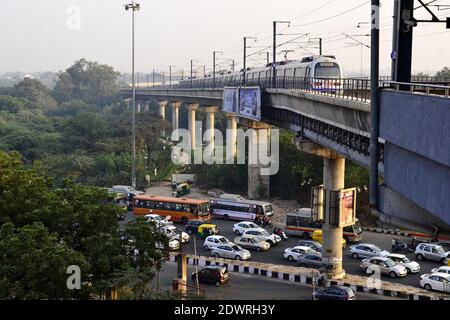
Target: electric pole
245, 58
274, 54
214, 66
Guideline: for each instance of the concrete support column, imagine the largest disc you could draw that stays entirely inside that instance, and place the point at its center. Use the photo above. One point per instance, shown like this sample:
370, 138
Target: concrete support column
138, 107
162, 112
191, 123
147, 107
333, 180
210, 113
175, 117
181, 260
258, 185
231, 136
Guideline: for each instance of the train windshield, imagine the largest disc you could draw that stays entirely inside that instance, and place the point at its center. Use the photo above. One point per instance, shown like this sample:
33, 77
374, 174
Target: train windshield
327, 70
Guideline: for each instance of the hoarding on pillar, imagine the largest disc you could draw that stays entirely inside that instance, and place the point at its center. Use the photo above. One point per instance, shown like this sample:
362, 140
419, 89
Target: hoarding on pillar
250, 103
347, 207
230, 100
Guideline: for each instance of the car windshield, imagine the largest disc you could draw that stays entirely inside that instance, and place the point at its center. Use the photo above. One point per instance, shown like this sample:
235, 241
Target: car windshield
258, 239
389, 263
375, 249
236, 248
252, 225
223, 240
157, 218
439, 249
405, 260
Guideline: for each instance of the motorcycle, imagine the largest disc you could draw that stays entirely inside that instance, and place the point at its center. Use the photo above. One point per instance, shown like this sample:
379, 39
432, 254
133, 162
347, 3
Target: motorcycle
281, 233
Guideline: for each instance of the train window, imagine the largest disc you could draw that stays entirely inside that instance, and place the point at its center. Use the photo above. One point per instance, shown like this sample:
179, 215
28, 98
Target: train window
327, 70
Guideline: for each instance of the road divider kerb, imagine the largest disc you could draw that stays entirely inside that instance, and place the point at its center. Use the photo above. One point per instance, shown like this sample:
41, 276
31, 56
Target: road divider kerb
394, 232
305, 276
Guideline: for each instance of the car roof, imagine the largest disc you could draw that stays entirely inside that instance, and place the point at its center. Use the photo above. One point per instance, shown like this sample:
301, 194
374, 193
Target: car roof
245, 222
301, 247
365, 244
444, 268
396, 255
441, 274
431, 244
379, 257
215, 237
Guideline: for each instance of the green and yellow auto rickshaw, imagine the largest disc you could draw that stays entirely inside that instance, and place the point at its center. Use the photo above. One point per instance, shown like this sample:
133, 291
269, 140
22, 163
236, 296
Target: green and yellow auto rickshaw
205, 230
183, 189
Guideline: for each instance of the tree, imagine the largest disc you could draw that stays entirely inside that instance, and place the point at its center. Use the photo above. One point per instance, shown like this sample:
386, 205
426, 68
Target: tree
33, 264
13, 104
91, 82
85, 130
444, 73
33, 90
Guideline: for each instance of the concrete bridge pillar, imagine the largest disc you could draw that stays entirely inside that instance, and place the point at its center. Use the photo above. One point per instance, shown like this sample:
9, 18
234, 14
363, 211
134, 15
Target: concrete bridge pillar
138, 107
175, 115
333, 180
231, 137
258, 184
210, 113
162, 112
147, 107
191, 123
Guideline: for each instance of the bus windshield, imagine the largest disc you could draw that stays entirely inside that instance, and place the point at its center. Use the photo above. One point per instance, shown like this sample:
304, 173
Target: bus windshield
327, 70
268, 210
203, 209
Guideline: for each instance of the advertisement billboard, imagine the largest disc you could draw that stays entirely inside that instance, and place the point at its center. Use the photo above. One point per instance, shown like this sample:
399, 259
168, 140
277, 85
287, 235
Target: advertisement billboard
230, 100
347, 210
250, 103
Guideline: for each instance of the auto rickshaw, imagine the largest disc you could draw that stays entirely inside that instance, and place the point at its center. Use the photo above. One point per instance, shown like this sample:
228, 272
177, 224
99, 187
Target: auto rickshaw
182, 189
205, 230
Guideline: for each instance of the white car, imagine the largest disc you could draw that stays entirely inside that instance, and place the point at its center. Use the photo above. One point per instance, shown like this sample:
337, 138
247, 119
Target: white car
240, 227
231, 251
435, 281
158, 220
126, 189
292, 254
212, 242
366, 250
173, 245
441, 270
411, 266
174, 233
272, 239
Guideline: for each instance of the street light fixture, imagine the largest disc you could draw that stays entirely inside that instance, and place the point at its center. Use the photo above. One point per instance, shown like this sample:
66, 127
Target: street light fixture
133, 7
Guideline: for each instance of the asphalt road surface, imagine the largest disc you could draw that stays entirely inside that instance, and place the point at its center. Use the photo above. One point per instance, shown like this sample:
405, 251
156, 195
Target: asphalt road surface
251, 287
275, 254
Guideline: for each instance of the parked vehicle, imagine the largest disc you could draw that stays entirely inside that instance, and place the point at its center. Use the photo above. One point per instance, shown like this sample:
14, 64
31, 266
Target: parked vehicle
411, 266
334, 293
385, 265
292, 254
217, 275
445, 269
206, 230
252, 242
192, 226
435, 281
310, 261
366, 250
272, 239
430, 251
312, 244
240, 227
214, 241
317, 236
231, 251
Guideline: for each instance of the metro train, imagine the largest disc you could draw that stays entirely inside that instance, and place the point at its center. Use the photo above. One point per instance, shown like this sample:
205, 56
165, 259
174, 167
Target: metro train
317, 73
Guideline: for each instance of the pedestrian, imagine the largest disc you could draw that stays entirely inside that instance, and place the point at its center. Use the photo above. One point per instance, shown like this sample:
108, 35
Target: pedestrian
393, 244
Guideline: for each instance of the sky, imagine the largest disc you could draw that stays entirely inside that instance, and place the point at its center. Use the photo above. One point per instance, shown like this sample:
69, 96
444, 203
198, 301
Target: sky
49, 35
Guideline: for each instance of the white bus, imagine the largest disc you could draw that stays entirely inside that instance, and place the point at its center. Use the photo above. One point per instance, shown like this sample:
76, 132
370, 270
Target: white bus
299, 223
242, 210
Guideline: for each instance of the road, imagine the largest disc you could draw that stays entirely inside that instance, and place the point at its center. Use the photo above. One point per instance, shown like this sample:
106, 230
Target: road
251, 287
275, 255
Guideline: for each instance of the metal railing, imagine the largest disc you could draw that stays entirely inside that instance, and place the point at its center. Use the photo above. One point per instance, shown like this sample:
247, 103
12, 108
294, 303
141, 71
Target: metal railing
427, 89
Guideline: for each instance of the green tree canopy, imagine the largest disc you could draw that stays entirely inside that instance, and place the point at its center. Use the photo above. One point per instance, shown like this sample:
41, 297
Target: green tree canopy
91, 82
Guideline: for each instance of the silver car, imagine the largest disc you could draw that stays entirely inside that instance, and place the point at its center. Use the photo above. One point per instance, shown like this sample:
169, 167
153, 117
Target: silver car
430, 251
385, 265
312, 244
366, 250
310, 261
231, 251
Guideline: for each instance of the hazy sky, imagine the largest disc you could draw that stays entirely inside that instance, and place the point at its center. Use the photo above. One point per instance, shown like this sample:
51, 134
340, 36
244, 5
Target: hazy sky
41, 35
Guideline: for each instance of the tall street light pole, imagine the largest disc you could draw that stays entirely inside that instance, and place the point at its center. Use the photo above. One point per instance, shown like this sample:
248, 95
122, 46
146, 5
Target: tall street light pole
133, 7
245, 58
214, 66
274, 53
